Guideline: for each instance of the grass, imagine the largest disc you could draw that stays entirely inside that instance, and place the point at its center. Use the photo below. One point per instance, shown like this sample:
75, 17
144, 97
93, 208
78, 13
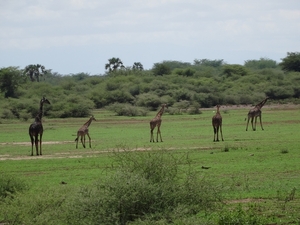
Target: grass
258, 166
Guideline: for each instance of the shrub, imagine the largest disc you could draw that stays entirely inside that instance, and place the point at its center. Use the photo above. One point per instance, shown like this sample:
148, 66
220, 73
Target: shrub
241, 216
11, 185
160, 69
291, 62
236, 69
147, 185
124, 109
262, 63
148, 100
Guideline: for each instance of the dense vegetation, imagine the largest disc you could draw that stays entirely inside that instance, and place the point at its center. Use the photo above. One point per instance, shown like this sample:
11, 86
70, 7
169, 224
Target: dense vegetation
134, 91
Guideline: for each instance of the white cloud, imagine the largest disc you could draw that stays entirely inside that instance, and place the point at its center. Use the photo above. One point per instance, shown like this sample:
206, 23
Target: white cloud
215, 26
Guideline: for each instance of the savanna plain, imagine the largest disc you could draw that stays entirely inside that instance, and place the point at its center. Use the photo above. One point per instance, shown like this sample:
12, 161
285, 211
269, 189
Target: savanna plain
254, 174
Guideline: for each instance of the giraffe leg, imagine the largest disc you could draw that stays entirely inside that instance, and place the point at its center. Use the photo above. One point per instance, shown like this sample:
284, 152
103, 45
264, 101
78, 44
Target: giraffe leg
81, 139
32, 141
252, 123
214, 133
158, 132
221, 132
36, 144
83, 143
76, 142
217, 133
89, 140
151, 135
247, 123
261, 123
41, 144
255, 121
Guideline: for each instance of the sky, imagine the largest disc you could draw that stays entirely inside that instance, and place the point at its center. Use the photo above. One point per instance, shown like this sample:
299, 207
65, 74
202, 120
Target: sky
79, 36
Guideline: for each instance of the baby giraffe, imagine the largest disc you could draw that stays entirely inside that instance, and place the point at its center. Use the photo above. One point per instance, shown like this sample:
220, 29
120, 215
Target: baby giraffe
156, 122
84, 130
217, 124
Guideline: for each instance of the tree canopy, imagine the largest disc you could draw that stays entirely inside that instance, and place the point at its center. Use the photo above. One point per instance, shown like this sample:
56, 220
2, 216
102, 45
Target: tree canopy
291, 62
114, 64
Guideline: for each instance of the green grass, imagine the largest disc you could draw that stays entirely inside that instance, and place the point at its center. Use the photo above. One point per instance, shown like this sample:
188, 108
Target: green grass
260, 165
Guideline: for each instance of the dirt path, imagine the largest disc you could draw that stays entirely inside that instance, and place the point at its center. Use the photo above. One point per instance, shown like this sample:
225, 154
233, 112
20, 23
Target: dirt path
74, 154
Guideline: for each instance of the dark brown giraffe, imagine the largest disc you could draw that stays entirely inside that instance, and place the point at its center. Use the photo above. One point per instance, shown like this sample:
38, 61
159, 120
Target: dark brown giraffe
36, 129
217, 124
254, 113
84, 130
156, 122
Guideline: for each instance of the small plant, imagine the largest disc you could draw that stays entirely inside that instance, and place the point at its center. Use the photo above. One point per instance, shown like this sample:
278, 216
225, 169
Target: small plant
284, 151
226, 149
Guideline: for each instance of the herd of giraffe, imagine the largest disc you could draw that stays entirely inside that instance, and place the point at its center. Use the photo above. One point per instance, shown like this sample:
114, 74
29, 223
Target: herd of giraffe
36, 128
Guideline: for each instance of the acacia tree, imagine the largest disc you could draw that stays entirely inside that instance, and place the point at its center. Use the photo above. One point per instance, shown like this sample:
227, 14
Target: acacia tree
208, 62
114, 64
137, 66
10, 78
160, 69
35, 71
291, 62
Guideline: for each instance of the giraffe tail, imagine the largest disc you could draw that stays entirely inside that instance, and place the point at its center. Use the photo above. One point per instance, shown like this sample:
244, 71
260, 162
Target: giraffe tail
76, 139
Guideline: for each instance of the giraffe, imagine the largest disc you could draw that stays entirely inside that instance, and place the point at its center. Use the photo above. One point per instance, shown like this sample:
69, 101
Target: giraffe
156, 122
36, 128
84, 130
217, 124
254, 113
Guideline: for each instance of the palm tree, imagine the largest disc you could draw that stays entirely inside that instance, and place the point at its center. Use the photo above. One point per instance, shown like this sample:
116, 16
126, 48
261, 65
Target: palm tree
114, 64
137, 66
35, 71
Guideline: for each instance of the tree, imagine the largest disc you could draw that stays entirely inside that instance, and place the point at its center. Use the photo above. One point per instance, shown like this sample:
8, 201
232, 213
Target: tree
35, 71
137, 66
291, 62
208, 62
160, 69
229, 70
10, 78
262, 63
114, 64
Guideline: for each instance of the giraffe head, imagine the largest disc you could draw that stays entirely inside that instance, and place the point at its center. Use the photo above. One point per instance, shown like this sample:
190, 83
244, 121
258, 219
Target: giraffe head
44, 100
93, 118
164, 105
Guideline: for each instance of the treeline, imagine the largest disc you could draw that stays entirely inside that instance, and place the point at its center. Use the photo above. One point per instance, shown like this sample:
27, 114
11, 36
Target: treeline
132, 91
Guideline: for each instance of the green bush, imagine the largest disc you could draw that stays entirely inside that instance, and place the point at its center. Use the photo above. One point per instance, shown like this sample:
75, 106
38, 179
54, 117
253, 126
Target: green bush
9, 186
262, 63
124, 109
241, 216
149, 100
234, 69
152, 186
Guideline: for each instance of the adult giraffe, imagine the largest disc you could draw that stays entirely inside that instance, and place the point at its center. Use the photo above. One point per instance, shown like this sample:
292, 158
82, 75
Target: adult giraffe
84, 130
36, 128
254, 113
217, 124
156, 122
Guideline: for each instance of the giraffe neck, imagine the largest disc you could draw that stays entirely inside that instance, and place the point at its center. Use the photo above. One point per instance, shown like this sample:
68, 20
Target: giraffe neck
218, 110
40, 114
88, 123
161, 111
261, 104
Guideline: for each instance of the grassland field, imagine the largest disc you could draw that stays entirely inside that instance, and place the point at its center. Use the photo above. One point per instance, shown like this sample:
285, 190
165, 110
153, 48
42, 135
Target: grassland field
261, 165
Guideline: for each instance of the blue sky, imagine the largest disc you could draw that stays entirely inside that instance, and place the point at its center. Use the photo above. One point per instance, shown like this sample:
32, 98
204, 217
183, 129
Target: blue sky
73, 36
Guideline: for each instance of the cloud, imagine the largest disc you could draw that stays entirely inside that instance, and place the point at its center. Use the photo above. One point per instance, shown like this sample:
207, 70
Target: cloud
183, 27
